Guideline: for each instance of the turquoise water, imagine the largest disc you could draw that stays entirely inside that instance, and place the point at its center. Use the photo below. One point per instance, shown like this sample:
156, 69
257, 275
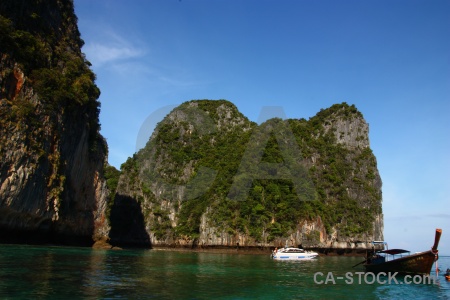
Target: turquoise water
33, 272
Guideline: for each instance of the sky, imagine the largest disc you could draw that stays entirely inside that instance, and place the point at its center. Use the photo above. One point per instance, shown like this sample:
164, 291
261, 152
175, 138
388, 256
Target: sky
391, 59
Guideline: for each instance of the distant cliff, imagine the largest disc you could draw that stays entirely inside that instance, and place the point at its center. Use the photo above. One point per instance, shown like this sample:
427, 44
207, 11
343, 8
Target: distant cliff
209, 177
51, 153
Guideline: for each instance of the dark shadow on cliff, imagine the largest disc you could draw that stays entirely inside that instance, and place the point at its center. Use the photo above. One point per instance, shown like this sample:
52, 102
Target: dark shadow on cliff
127, 224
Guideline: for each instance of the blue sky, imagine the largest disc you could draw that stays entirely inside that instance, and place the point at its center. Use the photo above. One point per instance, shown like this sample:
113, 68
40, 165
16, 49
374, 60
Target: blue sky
389, 58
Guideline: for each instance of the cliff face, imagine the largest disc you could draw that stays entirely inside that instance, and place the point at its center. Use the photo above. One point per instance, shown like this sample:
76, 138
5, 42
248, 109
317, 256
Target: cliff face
51, 153
167, 185
210, 177
207, 177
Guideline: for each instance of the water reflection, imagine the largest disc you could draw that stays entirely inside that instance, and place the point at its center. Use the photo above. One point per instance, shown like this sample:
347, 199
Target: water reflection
58, 272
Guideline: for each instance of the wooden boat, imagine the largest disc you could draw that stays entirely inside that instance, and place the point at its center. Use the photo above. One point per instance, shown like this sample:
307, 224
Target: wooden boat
418, 263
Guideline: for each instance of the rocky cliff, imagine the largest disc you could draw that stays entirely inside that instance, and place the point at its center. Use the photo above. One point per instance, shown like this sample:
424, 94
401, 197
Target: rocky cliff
51, 153
209, 177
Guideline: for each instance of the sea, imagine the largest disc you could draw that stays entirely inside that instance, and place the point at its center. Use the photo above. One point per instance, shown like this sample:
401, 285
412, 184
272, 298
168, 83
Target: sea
49, 272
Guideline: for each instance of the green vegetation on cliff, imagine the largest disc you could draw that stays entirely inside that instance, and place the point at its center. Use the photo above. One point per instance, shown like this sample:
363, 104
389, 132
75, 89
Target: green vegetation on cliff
51, 151
341, 183
193, 141
43, 41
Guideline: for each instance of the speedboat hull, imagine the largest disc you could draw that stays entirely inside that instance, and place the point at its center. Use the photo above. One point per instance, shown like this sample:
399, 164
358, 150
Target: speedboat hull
293, 254
292, 257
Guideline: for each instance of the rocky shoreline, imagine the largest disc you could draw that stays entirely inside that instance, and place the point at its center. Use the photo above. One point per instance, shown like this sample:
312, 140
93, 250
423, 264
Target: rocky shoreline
245, 250
260, 250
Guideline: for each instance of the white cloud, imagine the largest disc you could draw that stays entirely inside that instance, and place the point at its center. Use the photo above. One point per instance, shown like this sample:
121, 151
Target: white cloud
111, 48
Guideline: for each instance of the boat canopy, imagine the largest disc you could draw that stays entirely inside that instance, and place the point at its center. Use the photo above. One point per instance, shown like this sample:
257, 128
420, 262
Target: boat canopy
394, 251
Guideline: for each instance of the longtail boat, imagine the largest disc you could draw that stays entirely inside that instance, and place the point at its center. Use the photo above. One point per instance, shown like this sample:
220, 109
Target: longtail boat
417, 263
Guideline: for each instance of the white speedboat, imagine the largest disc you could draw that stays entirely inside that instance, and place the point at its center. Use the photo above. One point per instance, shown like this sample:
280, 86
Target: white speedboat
292, 253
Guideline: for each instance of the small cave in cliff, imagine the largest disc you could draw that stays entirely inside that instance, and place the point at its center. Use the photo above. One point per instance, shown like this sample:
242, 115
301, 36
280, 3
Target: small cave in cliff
127, 224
